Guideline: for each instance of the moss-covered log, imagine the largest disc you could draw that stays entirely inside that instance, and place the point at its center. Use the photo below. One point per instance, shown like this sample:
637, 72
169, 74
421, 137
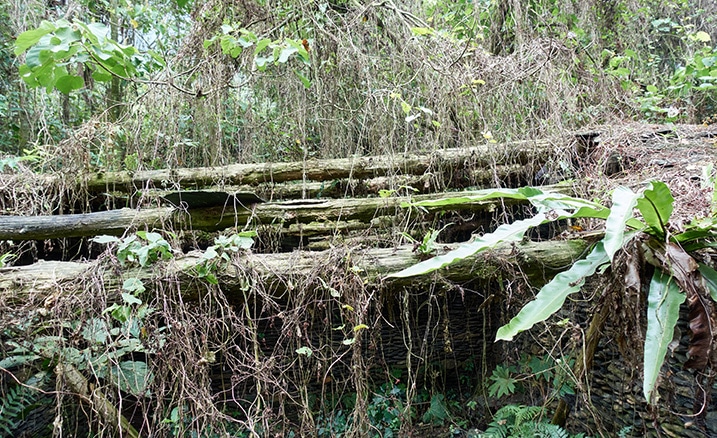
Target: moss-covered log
277, 271
446, 164
504, 175
117, 222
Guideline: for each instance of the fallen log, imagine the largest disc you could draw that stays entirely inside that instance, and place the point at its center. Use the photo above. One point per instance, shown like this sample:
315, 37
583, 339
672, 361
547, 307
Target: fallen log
117, 222
443, 163
501, 175
277, 272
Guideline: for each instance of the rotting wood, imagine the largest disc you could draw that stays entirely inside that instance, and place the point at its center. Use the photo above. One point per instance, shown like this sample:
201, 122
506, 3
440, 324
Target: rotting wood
483, 156
117, 222
43, 279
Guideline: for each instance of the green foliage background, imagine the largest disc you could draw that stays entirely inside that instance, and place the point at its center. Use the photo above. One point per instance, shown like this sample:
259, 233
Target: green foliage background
381, 78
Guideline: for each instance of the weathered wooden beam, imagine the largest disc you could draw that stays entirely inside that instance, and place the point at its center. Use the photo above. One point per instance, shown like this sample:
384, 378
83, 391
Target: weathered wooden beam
277, 272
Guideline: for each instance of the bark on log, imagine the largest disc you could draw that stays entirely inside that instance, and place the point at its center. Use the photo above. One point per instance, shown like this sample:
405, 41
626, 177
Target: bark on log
484, 156
116, 222
275, 270
508, 175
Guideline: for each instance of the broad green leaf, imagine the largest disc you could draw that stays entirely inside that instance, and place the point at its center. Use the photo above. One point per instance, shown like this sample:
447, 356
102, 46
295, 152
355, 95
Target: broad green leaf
701, 36
31, 37
143, 256
98, 32
152, 236
656, 206
710, 277
244, 42
37, 56
624, 201
552, 296
663, 309
262, 61
130, 298
133, 285
504, 233
120, 313
95, 331
68, 34
286, 52
101, 75
69, 83
261, 45
437, 413
580, 208
132, 376
210, 253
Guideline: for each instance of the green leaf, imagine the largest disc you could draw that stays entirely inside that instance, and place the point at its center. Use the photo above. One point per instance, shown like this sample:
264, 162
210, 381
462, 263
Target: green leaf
552, 296
101, 76
286, 52
130, 299
663, 309
304, 80
104, 239
504, 233
150, 236
134, 285
437, 413
67, 34
710, 277
261, 45
422, 31
37, 56
624, 201
701, 36
31, 37
143, 256
481, 195
120, 313
503, 382
656, 206
405, 107
19, 360
95, 331
132, 376
306, 351
262, 61
69, 83
97, 32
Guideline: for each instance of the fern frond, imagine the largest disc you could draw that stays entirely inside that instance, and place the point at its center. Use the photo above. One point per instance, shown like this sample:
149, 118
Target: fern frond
18, 400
